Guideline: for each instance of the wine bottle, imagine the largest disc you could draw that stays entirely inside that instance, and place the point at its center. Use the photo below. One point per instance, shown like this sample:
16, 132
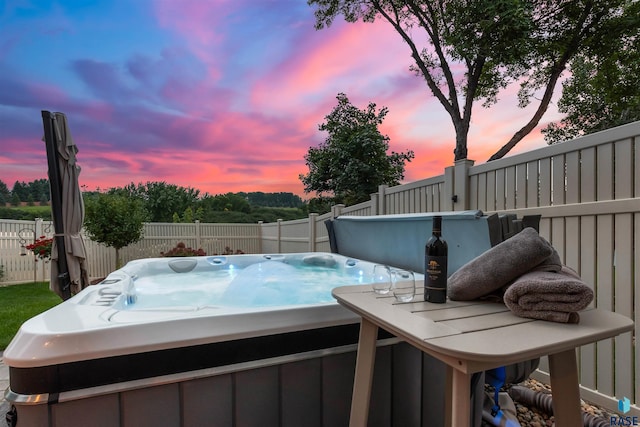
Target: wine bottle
435, 265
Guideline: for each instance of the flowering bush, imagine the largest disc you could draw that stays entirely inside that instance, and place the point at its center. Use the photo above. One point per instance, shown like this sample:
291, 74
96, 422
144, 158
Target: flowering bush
182, 250
41, 248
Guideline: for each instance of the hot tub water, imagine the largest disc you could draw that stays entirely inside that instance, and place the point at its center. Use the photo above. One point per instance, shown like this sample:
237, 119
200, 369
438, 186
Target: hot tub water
262, 284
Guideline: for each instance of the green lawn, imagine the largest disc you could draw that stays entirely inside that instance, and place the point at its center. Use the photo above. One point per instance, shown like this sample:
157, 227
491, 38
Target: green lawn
21, 302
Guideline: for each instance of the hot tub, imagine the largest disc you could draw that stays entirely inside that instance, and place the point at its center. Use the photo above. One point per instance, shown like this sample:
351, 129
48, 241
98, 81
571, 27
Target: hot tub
222, 340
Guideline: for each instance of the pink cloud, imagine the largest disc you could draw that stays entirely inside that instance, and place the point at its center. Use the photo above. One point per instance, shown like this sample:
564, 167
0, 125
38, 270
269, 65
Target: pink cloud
211, 110
327, 61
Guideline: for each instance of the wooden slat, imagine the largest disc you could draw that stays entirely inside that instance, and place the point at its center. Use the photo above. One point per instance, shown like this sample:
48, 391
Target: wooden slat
623, 169
510, 187
587, 175
521, 186
491, 191
533, 184
572, 243
485, 321
463, 311
483, 197
558, 237
587, 272
636, 300
545, 181
604, 171
604, 300
623, 302
573, 177
558, 181
500, 190
473, 191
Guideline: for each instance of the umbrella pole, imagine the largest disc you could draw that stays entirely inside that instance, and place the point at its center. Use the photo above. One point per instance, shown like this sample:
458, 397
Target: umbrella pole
55, 185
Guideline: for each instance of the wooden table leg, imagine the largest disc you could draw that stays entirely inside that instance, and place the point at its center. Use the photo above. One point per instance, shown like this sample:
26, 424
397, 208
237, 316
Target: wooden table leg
563, 370
448, 393
460, 399
364, 374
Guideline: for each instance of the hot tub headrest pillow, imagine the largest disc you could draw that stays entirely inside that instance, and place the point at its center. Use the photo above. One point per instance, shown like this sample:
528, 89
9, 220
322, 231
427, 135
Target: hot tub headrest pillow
500, 265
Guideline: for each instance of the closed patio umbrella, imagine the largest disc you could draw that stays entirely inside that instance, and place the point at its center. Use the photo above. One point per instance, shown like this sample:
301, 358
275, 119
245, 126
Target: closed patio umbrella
68, 258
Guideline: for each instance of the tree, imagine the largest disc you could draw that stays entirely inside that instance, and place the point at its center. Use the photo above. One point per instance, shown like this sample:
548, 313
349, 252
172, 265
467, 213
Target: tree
602, 91
353, 160
226, 202
496, 43
26, 192
276, 200
20, 192
5, 194
115, 220
161, 200
320, 205
188, 215
39, 190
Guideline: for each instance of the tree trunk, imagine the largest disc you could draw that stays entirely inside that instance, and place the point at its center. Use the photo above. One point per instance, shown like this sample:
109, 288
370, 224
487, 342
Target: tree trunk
462, 133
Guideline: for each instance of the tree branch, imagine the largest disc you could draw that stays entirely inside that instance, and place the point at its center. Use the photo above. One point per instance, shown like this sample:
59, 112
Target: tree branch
450, 106
557, 69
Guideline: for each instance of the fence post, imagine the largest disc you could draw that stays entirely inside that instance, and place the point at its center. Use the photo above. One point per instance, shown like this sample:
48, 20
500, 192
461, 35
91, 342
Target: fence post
37, 232
336, 210
198, 235
260, 223
279, 235
374, 203
382, 205
312, 231
446, 202
460, 196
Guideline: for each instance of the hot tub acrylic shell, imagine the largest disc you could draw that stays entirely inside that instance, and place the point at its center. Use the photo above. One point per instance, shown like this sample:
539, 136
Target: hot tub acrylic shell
87, 361
85, 327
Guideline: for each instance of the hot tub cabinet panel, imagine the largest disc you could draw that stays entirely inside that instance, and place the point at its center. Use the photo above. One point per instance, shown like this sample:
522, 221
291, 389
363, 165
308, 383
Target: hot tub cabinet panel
311, 392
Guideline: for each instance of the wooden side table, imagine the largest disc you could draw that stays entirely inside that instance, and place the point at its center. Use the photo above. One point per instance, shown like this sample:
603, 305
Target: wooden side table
474, 336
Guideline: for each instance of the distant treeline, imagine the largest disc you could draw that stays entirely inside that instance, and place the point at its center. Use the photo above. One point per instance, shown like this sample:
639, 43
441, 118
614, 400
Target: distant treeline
22, 192
165, 203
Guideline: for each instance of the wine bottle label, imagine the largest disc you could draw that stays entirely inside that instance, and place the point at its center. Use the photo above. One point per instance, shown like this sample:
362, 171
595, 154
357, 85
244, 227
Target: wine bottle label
435, 279
436, 271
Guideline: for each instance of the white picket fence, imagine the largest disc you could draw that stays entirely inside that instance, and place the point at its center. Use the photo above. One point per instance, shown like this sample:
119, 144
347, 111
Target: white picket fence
586, 190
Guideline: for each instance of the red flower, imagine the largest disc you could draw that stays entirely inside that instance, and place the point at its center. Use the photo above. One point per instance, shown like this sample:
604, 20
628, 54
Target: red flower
41, 247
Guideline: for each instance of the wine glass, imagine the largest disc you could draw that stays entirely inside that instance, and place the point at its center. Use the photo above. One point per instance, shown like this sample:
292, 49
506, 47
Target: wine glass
403, 284
381, 279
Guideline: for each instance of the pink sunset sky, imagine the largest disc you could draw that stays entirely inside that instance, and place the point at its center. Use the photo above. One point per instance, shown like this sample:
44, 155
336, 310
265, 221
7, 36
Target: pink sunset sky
218, 95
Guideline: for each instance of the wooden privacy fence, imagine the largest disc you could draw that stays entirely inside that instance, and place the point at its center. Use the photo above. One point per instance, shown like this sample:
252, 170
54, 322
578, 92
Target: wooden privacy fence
586, 190
588, 194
